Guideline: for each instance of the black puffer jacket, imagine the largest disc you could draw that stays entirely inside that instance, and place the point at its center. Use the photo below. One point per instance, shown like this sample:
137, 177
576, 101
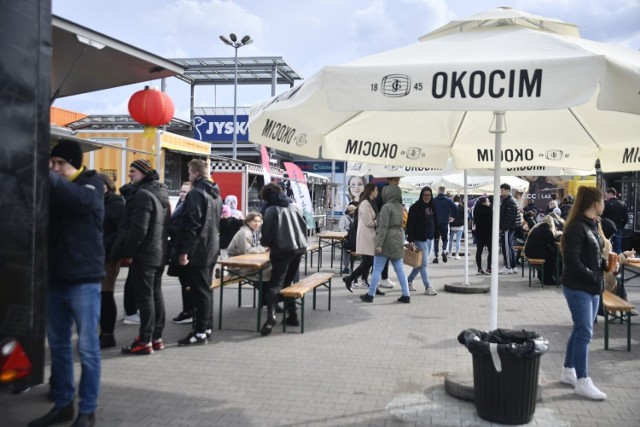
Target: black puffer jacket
616, 211
145, 226
76, 247
421, 222
582, 256
198, 234
284, 229
508, 213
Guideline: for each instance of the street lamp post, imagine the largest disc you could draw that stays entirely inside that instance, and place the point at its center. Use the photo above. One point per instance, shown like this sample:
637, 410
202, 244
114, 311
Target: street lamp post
234, 43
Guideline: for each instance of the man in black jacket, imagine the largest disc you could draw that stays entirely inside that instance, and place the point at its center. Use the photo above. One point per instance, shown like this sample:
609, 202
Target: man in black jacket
76, 268
145, 228
616, 211
284, 232
508, 225
198, 247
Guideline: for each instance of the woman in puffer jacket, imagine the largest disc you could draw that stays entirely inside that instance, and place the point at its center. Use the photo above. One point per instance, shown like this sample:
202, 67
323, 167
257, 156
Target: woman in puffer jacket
582, 283
389, 243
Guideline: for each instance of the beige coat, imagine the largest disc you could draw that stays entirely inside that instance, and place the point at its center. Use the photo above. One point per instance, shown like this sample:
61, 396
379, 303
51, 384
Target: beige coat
366, 236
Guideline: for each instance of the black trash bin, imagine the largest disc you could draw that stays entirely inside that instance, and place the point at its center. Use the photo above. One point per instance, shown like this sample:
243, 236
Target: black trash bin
505, 372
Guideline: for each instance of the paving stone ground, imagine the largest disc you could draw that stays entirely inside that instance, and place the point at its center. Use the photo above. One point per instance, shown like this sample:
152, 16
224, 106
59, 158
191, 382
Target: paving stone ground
380, 364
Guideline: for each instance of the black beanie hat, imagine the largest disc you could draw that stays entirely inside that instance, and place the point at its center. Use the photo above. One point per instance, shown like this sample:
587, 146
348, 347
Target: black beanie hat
143, 166
70, 151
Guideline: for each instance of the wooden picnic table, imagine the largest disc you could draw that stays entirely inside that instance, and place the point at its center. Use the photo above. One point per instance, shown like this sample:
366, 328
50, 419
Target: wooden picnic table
331, 239
257, 264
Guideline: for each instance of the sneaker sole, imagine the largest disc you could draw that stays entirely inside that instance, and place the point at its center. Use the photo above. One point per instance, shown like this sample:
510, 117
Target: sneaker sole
182, 322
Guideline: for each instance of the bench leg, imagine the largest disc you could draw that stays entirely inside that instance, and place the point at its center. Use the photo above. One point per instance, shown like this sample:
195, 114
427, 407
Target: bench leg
606, 329
302, 314
542, 276
628, 318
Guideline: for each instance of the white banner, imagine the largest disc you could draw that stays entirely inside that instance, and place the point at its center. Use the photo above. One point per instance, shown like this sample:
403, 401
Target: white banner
300, 192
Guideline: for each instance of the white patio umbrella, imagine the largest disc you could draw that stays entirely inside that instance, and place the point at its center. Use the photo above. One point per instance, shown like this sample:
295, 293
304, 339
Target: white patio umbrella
569, 102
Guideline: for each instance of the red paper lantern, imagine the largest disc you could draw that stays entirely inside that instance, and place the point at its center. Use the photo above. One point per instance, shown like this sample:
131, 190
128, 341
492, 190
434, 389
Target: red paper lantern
151, 107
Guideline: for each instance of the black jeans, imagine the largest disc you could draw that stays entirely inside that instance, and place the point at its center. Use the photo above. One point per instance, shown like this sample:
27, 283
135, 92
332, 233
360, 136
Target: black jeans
199, 277
363, 269
147, 285
481, 244
129, 298
284, 269
442, 232
187, 299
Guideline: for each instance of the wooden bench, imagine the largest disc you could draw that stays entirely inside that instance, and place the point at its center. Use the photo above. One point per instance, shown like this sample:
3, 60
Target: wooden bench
298, 291
611, 304
311, 249
534, 263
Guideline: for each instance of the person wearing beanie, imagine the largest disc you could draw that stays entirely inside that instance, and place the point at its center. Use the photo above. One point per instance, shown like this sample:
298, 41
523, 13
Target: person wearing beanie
143, 236
76, 269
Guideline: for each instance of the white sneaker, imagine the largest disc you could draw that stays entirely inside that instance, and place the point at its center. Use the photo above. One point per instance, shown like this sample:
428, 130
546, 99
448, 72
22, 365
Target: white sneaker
457, 257
134, 319
354, 284
568, 376
430, 291
387, 283
411, 287
585, 387
505, 271
515, 270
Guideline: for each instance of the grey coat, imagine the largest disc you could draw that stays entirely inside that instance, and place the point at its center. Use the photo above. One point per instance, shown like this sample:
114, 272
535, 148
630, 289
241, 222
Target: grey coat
390, 235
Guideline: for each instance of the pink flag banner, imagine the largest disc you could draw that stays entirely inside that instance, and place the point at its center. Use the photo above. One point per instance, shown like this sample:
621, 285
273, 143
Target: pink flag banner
265, 164
300, 191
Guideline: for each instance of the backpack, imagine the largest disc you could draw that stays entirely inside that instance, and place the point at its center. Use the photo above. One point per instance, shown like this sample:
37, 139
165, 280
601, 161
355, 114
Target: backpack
352, 234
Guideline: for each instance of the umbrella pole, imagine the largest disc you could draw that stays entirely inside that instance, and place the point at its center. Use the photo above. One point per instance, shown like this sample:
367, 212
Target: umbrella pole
497, 153
466, 232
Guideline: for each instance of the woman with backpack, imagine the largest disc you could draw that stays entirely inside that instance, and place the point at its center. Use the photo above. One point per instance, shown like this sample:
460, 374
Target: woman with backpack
365, 223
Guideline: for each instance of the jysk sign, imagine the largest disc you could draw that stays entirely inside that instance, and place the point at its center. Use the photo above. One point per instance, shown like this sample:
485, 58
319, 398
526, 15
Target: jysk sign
220, 128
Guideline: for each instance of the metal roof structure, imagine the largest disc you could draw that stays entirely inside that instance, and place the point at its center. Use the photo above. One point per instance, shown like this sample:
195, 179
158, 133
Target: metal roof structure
257, 70
84, 60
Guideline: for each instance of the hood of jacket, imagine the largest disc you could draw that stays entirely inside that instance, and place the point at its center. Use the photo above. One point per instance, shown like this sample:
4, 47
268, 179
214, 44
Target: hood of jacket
279, 200
392, 194
209, 187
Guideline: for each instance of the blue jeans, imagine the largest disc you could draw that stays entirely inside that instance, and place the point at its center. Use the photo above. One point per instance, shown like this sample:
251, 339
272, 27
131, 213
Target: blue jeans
583, 307
617, 242
80, 304
425, 247
457, 236
378, 264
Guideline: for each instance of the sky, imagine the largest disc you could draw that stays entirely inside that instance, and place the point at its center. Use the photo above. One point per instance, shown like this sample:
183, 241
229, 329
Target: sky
308, 34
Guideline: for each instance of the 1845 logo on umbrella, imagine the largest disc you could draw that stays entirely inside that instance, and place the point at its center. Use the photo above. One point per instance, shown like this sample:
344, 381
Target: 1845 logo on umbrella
396, 85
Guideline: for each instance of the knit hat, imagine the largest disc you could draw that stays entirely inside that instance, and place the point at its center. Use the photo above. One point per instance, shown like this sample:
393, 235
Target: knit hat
70, 151
143, 166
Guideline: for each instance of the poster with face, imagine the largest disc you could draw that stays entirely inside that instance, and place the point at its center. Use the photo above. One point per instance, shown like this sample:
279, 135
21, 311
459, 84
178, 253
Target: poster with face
356, 187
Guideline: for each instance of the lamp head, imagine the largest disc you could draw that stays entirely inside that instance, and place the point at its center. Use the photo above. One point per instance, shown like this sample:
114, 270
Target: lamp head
246, 40
233, 37
225, 40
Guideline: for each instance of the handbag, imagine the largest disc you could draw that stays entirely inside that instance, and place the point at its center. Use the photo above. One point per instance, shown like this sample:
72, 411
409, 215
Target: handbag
412, 258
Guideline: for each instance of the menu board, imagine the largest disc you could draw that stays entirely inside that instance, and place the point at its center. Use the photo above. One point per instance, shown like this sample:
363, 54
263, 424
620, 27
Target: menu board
173, 172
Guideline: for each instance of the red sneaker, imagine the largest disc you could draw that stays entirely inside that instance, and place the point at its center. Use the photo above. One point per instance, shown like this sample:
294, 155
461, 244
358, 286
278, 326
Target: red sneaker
138, 347
157, 344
